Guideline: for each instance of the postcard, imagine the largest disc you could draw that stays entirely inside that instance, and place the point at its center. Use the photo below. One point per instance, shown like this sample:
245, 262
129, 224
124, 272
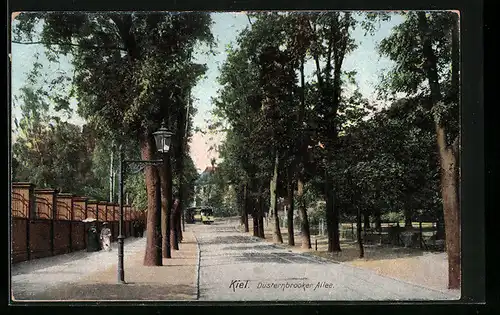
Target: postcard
236, 156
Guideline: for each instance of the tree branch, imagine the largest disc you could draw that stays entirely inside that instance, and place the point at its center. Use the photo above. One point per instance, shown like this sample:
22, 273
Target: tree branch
315, 54
111, 47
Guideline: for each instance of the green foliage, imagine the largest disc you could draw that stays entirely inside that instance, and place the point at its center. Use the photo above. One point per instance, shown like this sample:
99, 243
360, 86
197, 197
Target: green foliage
392, 217
49, 152
409, 76
389, 163
136, 187
131, 72
129, 67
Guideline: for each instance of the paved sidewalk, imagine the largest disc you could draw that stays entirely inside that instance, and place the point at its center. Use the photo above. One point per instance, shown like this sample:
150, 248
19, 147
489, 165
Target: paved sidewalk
235, 266
423, 268
93, 276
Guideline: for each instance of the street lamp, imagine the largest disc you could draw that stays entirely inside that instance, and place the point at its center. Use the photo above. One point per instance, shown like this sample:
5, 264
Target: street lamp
163, 139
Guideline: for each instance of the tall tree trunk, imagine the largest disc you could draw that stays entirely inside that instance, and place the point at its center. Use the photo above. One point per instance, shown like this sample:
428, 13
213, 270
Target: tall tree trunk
255, 220
290, 211
263, 208
306, 238
378, 220
366, 223
174, 238
166, 206
261, 226
182, 128
408, 218
240, 202
277, 238
448, 153
358, 232
179, 224
111, 178
178, 215
182, 207
259, 215
332, 218
245, 207
255, 217
183, 185
304, 224
408, 211
152, 256
451, 207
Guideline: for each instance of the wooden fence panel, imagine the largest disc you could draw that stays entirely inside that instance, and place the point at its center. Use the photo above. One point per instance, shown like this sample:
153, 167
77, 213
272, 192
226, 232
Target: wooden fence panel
20, 205
115, 230
40, 238
101, 210
20, 213
92, 209
79, 208
110, 212
64, 208
44, 208
62, 237
19, 237
78, 237
116, 215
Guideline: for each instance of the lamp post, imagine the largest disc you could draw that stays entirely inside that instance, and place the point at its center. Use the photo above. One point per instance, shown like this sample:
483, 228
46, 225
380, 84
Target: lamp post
163, 139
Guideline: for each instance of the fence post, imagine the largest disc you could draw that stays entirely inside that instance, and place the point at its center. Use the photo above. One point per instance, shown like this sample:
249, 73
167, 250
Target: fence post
80, 204
101, 210
51, 196
26, 193
66, 200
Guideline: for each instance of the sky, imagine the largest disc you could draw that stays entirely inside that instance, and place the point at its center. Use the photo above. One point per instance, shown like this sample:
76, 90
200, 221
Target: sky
226, 27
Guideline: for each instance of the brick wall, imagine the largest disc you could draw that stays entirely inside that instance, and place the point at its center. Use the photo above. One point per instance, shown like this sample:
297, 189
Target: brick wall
45, 222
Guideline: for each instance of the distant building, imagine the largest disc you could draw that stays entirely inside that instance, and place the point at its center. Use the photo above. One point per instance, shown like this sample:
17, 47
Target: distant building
203, 186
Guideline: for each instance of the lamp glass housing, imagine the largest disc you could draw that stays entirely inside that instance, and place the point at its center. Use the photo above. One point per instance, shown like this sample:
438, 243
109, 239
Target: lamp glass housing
163, 139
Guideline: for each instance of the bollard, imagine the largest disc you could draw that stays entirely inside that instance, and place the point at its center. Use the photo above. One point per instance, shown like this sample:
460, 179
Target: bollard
316, 244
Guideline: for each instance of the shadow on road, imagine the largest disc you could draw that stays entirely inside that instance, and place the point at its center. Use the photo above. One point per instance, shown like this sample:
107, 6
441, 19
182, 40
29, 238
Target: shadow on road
108, 291
251, 247
280, 258
229, 239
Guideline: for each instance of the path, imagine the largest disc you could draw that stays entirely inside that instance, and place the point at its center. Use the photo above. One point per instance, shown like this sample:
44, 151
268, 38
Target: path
236, 266
93, 276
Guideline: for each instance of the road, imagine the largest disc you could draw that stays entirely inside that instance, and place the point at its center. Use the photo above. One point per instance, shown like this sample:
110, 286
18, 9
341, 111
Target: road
224, 265
236, 267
